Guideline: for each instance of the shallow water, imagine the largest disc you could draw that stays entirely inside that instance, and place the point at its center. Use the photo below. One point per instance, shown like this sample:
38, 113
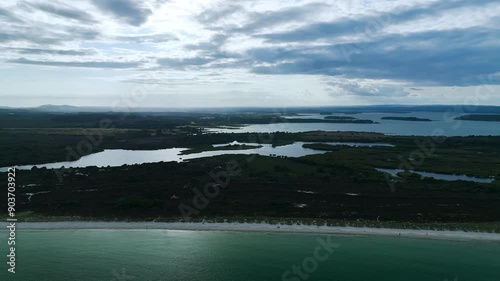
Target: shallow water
119, 255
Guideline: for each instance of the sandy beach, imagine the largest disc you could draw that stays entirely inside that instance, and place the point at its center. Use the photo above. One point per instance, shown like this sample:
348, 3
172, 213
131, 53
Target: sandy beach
260, 227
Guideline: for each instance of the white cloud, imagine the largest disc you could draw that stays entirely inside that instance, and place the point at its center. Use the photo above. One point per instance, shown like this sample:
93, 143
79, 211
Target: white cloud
267, 45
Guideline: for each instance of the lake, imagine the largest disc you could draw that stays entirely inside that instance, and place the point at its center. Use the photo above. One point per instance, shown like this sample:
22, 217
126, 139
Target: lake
147, 255
119, 157
443, 124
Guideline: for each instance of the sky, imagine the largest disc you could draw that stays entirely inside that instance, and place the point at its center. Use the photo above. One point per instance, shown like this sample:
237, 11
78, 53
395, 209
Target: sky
215, 53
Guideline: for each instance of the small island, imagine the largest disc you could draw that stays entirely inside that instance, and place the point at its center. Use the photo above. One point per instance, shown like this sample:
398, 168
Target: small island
347, 119
407, 119
340, 118
480, 117
330, 119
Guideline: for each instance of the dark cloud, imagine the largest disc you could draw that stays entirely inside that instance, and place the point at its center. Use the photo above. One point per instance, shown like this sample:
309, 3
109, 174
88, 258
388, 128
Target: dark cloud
29, 35
452, 57
209, 52
444, 57
129, 11
34, 51
89, 64
152, 38
66, 12
447, 57
8, 37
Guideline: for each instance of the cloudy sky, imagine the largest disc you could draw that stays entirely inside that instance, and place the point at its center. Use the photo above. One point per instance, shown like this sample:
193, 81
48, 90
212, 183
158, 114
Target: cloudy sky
216, 53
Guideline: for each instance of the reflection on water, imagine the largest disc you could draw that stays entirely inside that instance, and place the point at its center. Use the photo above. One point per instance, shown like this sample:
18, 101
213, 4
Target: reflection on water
446, 177
119, 157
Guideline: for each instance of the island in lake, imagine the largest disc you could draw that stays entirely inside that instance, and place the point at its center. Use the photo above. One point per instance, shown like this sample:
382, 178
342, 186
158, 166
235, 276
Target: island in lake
347, 119
406, 119
480, 117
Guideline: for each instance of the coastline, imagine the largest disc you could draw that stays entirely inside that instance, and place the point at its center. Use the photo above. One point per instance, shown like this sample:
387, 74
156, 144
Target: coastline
259, 227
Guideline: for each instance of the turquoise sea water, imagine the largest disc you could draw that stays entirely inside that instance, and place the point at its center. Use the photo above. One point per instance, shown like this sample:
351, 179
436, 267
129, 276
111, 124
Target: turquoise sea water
211, 255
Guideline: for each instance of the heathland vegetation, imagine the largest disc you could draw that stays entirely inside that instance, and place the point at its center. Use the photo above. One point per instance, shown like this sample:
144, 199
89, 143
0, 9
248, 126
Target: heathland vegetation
339, 186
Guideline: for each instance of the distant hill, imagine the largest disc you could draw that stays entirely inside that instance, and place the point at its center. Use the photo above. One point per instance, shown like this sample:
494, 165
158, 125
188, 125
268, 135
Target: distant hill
478, 117
317, 109
57, 108
413, 119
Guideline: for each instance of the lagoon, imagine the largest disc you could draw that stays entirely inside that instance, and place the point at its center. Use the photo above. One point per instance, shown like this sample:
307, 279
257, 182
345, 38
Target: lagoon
119, 157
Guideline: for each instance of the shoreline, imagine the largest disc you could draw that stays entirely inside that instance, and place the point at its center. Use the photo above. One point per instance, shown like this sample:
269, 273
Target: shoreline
259, 227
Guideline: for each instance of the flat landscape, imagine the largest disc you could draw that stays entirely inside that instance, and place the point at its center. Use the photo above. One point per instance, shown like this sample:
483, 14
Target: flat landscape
341, 182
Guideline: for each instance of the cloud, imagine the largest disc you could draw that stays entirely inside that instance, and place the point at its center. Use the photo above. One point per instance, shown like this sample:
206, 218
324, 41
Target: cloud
27, 36
399, 47
366, 25
34, 51
8, 16
89, 64
215, 42
214, 16
365, 89
82, 33
129, 11
183, 63
267, 19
